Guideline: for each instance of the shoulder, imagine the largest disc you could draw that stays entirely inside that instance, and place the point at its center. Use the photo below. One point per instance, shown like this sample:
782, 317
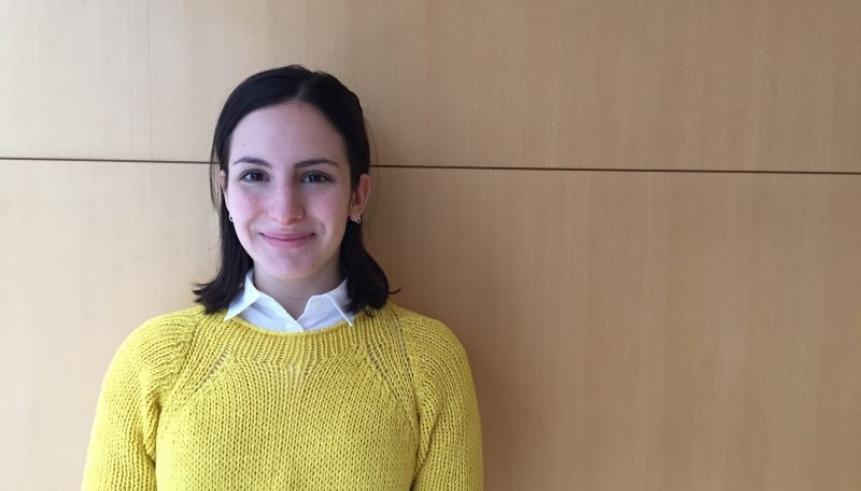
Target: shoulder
156, 349
432, 346
164, 332
424, 329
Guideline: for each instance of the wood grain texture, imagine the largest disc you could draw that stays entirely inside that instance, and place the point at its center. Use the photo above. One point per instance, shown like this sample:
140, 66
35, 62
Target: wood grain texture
676, 84
656, 331
89, 251
650, 331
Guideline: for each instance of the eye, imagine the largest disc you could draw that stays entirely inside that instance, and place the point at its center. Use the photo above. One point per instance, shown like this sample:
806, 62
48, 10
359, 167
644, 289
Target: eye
253, 176
316, 177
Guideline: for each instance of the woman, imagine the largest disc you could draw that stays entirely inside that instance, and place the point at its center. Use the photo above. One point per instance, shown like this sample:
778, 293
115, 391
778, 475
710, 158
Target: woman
295, 371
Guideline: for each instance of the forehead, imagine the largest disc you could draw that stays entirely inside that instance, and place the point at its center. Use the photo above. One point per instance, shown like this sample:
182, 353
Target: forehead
286, 132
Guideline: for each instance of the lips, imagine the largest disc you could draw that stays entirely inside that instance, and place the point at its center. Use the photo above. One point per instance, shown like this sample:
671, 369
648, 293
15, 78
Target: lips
292, 239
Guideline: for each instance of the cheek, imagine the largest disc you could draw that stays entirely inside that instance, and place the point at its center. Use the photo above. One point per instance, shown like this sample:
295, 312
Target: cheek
240, 204
329, 202
336, 207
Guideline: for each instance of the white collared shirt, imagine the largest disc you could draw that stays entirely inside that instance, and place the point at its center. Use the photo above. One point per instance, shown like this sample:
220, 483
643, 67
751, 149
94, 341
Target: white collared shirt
258, 308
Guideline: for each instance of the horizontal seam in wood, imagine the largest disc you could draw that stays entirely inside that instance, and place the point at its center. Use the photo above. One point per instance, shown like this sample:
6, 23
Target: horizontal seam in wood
473, 167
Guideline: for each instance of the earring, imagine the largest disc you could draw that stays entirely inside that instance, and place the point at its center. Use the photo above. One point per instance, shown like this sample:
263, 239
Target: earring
230, 217
357, 219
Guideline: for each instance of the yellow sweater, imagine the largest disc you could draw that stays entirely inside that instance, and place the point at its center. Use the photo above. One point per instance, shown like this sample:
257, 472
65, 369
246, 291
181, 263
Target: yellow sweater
192, 401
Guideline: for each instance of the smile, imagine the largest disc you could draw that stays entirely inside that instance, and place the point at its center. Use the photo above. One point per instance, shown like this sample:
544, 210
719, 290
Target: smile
287, 240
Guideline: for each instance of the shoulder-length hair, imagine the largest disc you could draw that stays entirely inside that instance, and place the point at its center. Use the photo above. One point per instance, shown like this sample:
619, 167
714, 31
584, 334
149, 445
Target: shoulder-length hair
367, 285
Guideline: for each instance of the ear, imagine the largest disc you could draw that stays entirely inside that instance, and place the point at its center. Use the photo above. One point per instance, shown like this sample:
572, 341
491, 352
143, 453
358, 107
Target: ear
222, 181
359, 195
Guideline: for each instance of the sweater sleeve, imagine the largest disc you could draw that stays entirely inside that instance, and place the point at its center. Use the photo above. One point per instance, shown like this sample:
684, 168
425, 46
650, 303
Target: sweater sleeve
121, 453
450, 455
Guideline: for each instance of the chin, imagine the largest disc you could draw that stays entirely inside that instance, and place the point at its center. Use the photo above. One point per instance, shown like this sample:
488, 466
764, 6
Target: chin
289, 274
291, 271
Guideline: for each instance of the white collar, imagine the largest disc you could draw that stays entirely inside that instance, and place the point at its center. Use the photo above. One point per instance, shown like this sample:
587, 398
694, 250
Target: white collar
320, 311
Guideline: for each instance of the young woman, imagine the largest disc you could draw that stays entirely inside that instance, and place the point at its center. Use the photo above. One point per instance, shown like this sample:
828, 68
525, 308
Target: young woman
295, 371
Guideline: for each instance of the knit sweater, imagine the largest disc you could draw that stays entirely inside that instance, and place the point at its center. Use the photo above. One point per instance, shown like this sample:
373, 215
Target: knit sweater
194, 401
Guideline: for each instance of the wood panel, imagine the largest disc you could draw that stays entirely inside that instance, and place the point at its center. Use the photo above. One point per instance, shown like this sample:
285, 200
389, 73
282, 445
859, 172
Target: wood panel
733, 84
650, 331
89, 251
626, 330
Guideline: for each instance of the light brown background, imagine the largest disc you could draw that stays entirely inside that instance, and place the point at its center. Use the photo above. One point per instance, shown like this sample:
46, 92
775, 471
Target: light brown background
639, 217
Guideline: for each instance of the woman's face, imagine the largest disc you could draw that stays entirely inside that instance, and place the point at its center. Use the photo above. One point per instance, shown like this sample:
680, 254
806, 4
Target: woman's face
288, 193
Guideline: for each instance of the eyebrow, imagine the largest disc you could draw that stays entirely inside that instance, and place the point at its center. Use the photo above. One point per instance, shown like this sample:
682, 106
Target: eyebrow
301, 163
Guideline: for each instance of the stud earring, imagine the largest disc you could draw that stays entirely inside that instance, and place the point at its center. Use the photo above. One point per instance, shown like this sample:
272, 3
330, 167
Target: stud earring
357, 219
230, 217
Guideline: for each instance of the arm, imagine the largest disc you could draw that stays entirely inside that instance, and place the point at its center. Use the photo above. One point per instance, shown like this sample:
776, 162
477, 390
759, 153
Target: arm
450, 455
121, 453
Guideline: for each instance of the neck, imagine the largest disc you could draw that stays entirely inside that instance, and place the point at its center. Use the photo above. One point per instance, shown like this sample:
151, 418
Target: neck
293, 295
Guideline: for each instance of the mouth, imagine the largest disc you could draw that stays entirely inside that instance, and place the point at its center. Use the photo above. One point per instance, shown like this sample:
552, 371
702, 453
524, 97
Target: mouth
287, 240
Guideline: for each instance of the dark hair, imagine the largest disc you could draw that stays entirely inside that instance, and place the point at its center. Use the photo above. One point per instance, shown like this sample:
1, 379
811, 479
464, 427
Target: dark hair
367, 285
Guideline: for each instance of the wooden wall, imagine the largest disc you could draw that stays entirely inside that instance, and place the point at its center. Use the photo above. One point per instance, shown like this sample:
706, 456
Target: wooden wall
639, 217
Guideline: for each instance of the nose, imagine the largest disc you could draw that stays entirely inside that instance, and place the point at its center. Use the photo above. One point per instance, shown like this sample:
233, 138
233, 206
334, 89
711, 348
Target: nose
286, 205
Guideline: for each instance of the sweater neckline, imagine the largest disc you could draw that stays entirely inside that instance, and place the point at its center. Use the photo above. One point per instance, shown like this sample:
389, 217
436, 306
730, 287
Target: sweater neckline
247, 341
245, 325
